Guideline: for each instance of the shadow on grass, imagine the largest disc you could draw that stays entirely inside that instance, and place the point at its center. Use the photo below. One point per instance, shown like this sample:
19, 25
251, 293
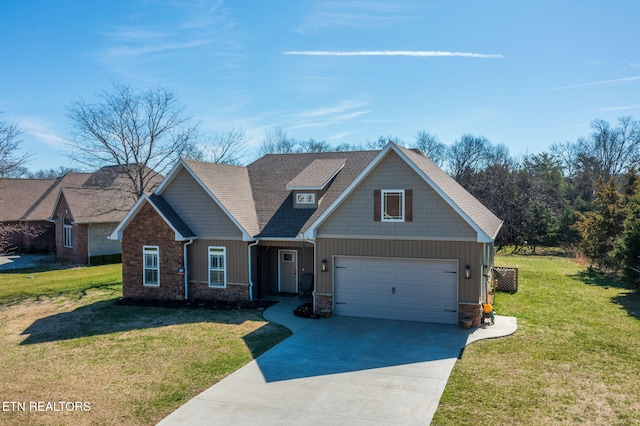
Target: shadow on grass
629, 300
106, 317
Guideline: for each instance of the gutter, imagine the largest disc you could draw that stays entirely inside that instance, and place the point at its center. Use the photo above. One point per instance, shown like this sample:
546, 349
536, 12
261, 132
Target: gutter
186, 269
253, 244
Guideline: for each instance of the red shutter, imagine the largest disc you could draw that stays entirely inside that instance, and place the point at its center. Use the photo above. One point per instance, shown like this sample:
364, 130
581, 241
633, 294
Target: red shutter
376, 205
408, 205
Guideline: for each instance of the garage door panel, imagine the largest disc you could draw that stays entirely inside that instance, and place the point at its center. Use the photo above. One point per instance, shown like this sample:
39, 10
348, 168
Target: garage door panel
391, 288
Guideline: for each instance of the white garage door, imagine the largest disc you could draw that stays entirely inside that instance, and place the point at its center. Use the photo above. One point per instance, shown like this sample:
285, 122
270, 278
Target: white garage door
390, 288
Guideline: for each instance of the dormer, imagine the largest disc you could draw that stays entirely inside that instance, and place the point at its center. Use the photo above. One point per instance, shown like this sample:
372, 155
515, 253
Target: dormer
311, 182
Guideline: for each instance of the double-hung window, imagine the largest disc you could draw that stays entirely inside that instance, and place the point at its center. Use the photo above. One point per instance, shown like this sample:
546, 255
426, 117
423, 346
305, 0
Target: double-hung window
67, 233
217, 267
151, 273
393, 205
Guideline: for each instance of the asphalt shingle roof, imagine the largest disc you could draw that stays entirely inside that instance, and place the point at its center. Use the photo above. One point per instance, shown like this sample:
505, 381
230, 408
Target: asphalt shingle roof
170, 214
270, 175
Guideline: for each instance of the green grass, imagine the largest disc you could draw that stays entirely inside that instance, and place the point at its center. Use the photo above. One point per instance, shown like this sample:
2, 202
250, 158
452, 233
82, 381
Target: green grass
36, 283
574, 359
63, 338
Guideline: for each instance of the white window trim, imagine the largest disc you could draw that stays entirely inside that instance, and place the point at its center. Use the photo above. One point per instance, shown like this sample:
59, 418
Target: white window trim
217, 250
383, 193
67, 236
305, 198
155, 250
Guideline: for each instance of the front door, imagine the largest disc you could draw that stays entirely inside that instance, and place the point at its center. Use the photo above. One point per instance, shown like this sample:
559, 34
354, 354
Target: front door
287, 271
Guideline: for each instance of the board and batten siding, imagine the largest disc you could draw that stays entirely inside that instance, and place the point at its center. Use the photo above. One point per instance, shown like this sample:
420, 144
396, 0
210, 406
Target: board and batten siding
432, 216
467, 253
237, 260
198, 210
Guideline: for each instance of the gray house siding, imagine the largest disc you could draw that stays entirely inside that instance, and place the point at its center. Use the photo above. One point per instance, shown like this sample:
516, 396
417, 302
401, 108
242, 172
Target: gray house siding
467, 253
432, 216
99, 244
198, 210
237, 260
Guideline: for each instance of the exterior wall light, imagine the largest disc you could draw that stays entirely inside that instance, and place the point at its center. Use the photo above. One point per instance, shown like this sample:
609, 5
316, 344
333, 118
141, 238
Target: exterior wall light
323, 265
467, 272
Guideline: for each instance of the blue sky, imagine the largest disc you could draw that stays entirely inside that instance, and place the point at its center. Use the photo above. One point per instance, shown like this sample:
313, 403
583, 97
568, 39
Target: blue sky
522, 74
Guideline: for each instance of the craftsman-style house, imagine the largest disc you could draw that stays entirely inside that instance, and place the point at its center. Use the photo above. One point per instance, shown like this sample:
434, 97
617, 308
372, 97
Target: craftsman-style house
381, 234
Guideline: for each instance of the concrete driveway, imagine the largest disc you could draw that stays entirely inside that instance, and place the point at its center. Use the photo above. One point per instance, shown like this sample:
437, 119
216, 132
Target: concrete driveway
20, 261
339, 371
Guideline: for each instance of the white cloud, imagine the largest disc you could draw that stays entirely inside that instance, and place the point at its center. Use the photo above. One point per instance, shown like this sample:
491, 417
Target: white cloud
416, 53
356, 13
597, 83
41, 130
619, 108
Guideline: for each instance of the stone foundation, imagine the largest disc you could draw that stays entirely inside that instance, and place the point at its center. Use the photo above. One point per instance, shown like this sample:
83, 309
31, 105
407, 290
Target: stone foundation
235, 292
324, 303
470, 310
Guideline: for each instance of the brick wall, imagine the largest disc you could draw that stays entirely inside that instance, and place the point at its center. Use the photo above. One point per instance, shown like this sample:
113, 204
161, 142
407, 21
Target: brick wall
78, 252
148, 228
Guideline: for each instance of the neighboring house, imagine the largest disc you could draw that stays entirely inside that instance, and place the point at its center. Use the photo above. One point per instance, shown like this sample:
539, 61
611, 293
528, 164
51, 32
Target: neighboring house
25, 208
85, 215
381, 234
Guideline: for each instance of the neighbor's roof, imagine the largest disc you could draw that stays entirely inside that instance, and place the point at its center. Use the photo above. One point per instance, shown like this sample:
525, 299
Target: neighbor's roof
104, 196
97, 205
33, 199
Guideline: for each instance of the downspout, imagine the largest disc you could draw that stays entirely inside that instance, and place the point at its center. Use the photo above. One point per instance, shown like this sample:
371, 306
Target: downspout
315, 272
186, 269
255, 243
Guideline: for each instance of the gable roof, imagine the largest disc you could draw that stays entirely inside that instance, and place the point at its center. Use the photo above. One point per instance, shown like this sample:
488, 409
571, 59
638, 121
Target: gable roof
481, 219
33, 199
270, 175
104, 196
227, 185
164, 210
258, 198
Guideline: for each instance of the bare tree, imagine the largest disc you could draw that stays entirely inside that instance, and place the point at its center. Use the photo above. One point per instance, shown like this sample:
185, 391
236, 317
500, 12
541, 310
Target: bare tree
312, 145
226, 147
11, 163
468, 154
144, 132
615, 149
276, 141
431, 146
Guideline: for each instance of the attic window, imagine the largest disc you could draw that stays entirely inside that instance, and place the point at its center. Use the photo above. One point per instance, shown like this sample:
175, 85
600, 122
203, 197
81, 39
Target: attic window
306, 198
393, 205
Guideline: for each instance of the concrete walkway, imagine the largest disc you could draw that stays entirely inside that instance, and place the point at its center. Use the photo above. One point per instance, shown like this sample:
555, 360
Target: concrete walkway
339, 371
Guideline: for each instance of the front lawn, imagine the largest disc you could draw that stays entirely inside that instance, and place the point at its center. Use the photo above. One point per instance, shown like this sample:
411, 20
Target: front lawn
575, 358
64, 340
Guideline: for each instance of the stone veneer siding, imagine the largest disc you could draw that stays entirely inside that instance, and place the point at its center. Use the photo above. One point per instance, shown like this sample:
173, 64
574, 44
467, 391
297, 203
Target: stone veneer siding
470, 310
232, 293
148, 229
323, 303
